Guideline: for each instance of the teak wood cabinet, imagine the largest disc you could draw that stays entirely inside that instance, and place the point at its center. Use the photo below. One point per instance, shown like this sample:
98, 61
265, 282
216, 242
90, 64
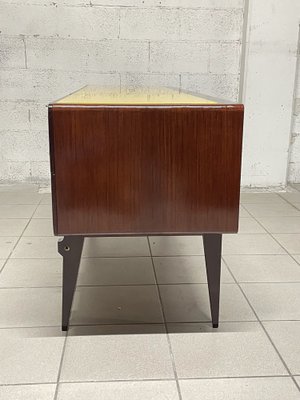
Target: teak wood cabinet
144, 162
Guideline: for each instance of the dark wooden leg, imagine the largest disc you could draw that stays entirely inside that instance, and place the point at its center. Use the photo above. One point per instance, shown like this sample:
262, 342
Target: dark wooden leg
213, 252
70, 247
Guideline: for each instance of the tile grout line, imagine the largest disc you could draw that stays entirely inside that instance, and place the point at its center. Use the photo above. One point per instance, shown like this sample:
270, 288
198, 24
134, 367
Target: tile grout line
264, 329
165, 324
20, 236
3, 328
149, 284
274, 238
290, 203
268, 233
293, 257
60, 367
64, 345
149, 380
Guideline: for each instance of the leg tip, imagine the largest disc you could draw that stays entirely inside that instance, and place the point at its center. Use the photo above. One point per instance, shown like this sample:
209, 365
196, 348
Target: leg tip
64, 328
215, 325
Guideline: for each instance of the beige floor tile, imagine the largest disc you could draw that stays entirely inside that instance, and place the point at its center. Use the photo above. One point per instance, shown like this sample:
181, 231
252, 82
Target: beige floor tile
285, 336
251, 244
39, 227
21, 198
291, 242
2, 262
36, 247
274, 301
263, 268
272, 210
297, 258
116, 271
12, 227
239, 389
190, 303
115, 305
117, 353
291, 197
20, 187
176, 245
46, 198
30, 307
232, 350
147, 390
28, 392
6, 245
297, 205
185, 269
30, 355
249, 225
43, 211
116, 247
281, 224
261, 198
298, 380
243, 212
30, 272
16, 211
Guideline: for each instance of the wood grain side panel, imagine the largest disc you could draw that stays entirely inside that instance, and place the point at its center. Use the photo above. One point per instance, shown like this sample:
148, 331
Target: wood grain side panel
52, 169
147, 170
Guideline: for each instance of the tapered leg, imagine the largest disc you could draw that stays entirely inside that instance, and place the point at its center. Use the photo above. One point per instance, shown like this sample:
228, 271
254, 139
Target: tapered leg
213, 252
70, 247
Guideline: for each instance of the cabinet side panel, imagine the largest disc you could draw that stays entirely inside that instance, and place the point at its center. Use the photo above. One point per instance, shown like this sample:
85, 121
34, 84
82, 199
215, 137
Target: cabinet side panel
147, 170
52, 169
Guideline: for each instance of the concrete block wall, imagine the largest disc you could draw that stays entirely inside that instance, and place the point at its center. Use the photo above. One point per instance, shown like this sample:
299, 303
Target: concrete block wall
294, 165
48, 49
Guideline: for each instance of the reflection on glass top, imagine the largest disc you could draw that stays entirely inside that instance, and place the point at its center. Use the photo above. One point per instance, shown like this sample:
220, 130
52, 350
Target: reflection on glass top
93, 95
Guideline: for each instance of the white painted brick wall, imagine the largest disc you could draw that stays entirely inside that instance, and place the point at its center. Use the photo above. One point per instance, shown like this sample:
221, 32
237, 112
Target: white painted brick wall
179, 57
68, 22
294, 165
48, 49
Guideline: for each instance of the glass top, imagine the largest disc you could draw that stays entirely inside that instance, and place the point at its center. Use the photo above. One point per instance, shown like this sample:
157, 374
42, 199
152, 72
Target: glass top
99, 95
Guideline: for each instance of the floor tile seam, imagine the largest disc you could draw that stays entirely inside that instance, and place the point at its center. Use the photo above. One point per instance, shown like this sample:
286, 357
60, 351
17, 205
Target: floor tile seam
151, 284
13, 327
213, 378
3, 328
293, 257
88, 381
60, 366
129, 285
269, 234
273, 237
274, 203
20, 236
248, 283
165, 325
161, 256
289, 202
19, 204
266, 332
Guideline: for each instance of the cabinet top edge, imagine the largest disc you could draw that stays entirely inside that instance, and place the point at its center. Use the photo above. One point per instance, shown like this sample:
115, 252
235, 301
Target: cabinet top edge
99, 96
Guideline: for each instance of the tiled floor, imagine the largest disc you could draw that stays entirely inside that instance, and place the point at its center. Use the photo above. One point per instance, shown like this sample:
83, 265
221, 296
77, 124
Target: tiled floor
140, 326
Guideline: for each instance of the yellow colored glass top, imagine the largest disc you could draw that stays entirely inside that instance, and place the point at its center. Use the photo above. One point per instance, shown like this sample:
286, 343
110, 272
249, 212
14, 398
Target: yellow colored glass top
97, 95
